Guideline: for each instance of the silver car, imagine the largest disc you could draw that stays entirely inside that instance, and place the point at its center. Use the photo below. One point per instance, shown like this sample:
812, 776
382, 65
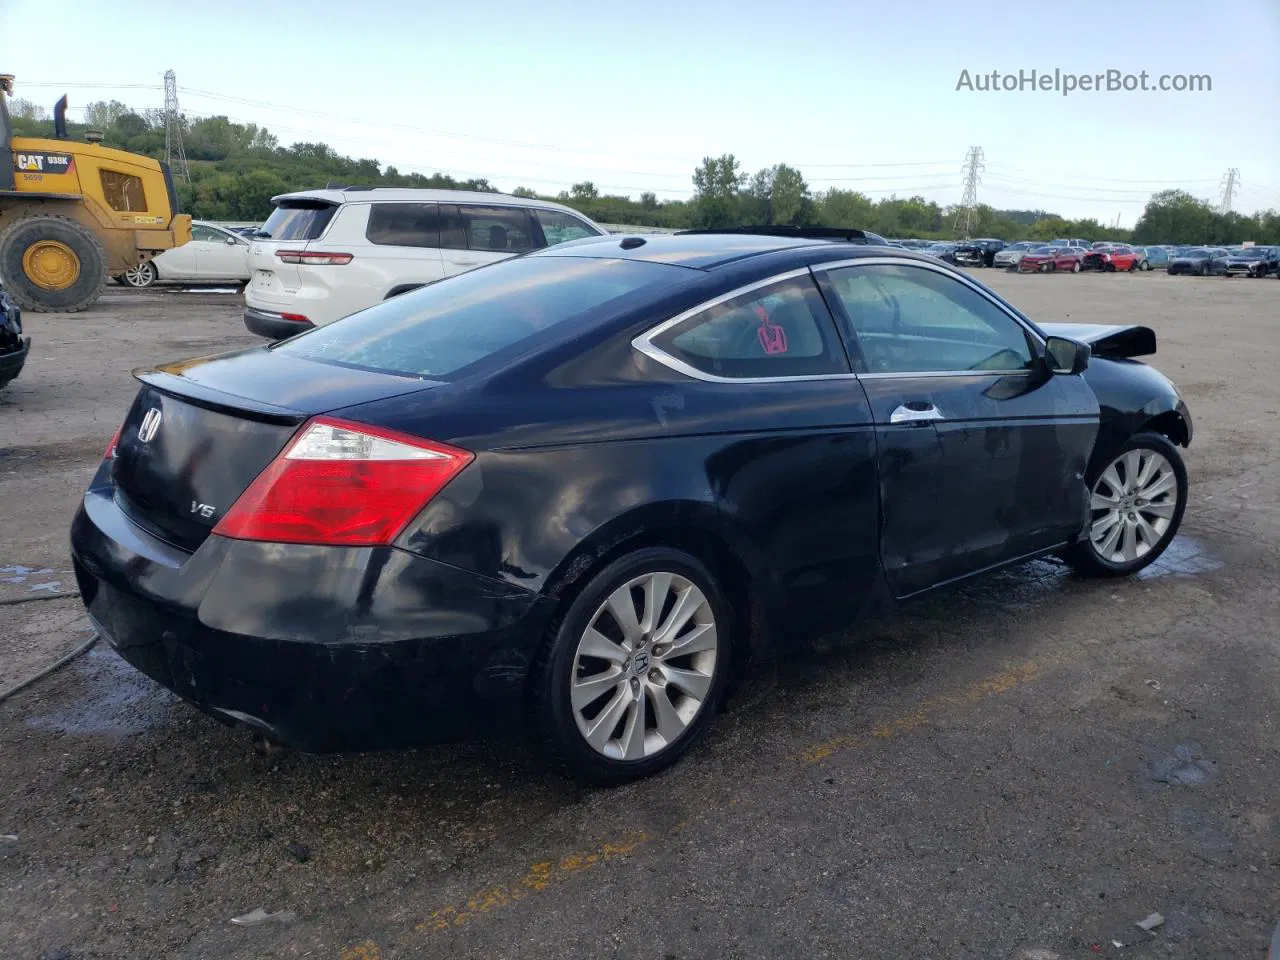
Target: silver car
1011, 255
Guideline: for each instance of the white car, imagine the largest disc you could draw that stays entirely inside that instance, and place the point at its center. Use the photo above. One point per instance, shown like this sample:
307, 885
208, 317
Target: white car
324, 254
212, 255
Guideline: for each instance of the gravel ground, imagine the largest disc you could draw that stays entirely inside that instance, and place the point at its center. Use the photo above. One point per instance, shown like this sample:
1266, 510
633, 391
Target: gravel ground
1021, 768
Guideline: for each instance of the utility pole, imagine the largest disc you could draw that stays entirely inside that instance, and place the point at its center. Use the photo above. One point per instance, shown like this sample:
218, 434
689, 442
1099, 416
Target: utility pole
1230, 184
972, 170
173, 149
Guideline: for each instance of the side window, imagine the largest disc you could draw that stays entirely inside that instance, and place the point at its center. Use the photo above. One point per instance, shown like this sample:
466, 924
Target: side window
404, 224
123, 191
497, 229
558, 227
200, 232
782, 330
909, 319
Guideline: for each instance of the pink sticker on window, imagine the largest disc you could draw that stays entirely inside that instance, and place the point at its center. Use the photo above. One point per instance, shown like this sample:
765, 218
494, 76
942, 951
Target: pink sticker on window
772, 338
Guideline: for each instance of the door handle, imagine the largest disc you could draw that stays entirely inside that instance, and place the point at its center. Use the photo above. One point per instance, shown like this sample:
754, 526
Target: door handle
917, 411
464, 263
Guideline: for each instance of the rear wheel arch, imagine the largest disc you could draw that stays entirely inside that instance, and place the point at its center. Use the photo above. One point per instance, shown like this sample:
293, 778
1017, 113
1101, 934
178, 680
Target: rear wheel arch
694, 529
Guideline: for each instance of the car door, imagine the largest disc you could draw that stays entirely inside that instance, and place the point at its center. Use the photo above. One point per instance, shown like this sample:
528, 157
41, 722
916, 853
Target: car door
796, 452
404, 247
221, 255
475, 234
981, 450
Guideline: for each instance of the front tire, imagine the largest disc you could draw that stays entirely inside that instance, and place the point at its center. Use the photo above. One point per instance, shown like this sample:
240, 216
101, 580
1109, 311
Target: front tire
1136, 503
52, 264
1075, 267
633, 672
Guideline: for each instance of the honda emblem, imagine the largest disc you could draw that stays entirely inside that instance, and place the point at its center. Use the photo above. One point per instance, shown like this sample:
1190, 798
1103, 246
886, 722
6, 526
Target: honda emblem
150, 425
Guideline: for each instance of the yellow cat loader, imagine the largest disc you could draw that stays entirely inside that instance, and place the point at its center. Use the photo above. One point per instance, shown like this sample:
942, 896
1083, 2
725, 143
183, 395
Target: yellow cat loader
73, 214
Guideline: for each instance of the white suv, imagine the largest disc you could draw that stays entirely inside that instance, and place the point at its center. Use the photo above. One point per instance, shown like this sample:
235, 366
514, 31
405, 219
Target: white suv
324, 254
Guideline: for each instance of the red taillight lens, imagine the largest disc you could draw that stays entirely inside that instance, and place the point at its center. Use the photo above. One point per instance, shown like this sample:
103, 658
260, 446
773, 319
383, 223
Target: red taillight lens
295, 317
314, 257
343, 484
111, 447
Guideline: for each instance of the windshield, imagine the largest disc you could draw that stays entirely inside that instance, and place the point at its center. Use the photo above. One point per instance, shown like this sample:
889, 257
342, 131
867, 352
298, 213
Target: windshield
1251, 253
1197, 254
297, 220
437, 330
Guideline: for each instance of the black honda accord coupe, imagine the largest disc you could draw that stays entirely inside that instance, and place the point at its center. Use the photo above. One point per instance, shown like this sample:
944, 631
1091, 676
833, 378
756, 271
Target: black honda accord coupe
584, 485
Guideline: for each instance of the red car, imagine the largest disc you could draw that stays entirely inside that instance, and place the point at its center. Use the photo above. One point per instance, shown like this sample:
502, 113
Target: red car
1113, 257
1048, 259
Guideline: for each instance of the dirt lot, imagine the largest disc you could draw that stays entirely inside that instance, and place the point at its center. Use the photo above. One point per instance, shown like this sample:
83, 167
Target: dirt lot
1019, 769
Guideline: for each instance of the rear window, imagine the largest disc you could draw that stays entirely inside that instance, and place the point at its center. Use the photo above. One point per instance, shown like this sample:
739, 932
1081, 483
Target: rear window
451, 324
297, 220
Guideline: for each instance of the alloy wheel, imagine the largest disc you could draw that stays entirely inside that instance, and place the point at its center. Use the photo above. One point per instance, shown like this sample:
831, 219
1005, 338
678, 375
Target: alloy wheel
143, 275
1133, 504
644, 666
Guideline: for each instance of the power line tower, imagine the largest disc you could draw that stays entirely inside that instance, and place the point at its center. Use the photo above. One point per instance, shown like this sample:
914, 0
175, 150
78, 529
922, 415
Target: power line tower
173, 149
972, 170
1230, 184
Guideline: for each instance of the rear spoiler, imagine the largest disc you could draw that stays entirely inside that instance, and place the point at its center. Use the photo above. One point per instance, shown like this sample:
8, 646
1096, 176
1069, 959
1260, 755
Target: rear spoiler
1111, 342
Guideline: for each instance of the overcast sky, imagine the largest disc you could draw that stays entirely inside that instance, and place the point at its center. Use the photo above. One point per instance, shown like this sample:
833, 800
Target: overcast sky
859, 95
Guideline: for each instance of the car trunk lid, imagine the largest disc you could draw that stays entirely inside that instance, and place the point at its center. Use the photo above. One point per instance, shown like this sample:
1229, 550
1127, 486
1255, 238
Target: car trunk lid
199, 432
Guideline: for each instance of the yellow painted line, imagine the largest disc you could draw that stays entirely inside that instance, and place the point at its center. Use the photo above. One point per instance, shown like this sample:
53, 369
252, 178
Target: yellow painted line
999, 683
361, 951
537, 878
543, 874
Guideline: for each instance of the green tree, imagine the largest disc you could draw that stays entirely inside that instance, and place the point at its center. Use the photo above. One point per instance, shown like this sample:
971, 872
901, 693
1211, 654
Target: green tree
101, 114
1175, 216
586, 190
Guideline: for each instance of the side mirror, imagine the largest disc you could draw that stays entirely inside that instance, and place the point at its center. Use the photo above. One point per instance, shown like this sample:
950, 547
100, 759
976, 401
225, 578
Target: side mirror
232, 241
1066, 356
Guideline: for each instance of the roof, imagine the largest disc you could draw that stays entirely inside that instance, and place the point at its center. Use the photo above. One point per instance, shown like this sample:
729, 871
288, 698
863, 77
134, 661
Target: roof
410, 194
701, 251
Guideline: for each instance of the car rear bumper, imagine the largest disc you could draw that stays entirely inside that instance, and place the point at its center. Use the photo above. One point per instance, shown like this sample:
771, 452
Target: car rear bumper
273, 326
318, 648
11, 363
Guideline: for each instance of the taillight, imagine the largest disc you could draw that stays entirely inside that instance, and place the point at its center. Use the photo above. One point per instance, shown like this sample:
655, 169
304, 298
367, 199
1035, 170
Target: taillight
344, 484
314, 257
295, 317
111, 447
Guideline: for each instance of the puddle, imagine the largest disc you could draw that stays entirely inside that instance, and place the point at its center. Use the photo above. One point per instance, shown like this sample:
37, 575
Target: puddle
1185, 557
116, 700
1187, 767
35, 579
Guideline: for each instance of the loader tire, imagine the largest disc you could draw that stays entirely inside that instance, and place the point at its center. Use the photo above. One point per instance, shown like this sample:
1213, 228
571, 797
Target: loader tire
52, 264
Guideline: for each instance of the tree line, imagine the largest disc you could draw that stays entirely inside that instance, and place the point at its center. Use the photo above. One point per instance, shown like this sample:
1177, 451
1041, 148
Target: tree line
236, 169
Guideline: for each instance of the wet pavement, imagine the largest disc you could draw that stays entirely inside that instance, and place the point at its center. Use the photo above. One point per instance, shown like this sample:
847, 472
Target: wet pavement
1023, 767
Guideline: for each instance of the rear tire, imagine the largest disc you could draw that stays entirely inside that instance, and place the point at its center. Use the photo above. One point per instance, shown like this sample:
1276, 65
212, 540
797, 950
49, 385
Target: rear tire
595, 705
1137, 501
142, 276
52, 264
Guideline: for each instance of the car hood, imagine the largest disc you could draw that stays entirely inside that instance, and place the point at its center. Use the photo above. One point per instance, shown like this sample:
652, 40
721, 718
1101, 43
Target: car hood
1112, 342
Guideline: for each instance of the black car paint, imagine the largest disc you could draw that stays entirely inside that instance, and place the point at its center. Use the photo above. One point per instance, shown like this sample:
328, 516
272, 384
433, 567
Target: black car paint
978, 253
585, 448
14, 347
